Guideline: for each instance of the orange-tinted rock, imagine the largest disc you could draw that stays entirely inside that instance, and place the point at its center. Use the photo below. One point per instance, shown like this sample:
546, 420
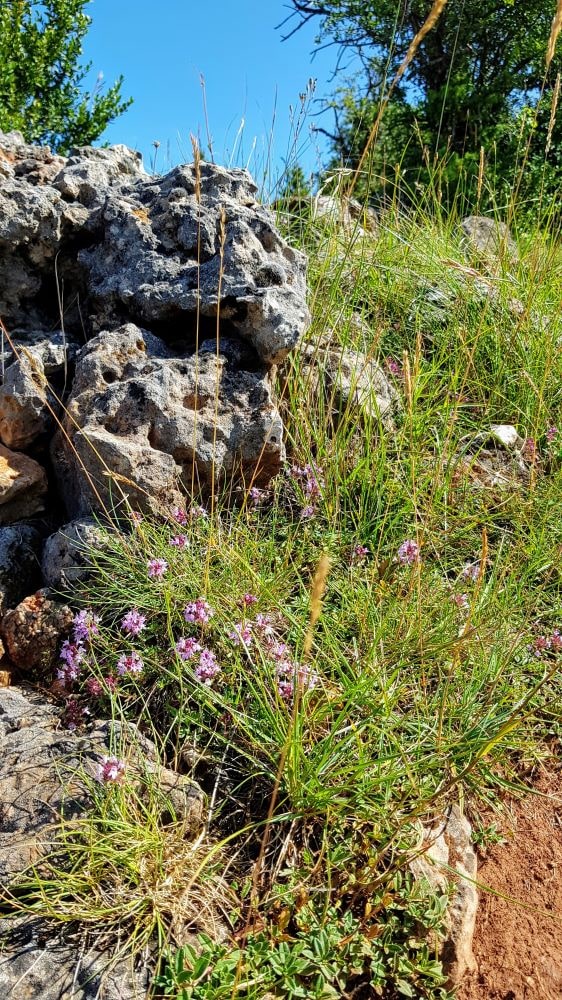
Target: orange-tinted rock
23, 485
33, 631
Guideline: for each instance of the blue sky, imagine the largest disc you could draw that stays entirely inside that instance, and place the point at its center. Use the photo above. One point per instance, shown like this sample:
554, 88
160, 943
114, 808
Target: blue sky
162, 48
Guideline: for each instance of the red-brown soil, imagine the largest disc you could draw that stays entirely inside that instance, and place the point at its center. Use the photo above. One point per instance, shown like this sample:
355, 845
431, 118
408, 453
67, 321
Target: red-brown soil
518, 941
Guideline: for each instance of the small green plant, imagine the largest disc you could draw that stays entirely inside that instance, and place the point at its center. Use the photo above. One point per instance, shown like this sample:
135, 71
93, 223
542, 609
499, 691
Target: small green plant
325, 957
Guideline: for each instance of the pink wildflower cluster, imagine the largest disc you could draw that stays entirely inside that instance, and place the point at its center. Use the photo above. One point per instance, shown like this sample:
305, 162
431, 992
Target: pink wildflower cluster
311, 481
545, 645
194, 513
187, 648
461, 600
471, 571
257, 496
156, 568
288, 674
207, 668
394, 368
129, 663
359, 554
247, 600
72, 655
133, 622
179, 541
110, 771
199, 611
408, 552
85, 625
552, 434
74, 713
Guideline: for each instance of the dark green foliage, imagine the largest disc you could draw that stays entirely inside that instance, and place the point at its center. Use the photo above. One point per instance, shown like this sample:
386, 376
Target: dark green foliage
41, 75
477, 80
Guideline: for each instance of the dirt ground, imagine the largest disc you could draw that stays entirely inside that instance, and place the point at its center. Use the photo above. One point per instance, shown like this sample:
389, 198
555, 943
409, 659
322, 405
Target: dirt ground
518, 941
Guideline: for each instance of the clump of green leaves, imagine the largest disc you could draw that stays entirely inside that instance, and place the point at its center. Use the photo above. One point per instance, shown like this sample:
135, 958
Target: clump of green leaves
324, 955
41, 75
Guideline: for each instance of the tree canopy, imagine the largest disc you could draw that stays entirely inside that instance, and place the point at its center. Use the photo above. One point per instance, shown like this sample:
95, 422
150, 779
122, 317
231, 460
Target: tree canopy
475, 74
41, 75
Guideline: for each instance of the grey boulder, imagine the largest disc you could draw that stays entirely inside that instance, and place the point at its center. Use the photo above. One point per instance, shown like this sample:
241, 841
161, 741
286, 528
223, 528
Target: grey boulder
65, 560
143, 423
20, 574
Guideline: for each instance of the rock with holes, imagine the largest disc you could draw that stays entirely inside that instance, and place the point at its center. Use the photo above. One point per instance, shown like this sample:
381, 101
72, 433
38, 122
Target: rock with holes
144, 423
197, 243
448, 862
26, 404
96, 238
33, 631
20, 572
23, 486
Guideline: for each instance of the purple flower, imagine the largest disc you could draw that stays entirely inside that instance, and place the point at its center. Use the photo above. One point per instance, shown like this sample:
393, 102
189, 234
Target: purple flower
157, 568
85, 626
241, 634
129, 663
179, 541
247, 600
308, 512
264, 625
285, 689
461, 600
74, 713
359, 554
197, 513
256, 495
394, 368
93, 687
408, 553
208, 668
179, 515
133, 622
110, 771
530, 449
471, 571
136, 517
186, 648
551, 434
72, 655
198, 611
111, 683
310, 478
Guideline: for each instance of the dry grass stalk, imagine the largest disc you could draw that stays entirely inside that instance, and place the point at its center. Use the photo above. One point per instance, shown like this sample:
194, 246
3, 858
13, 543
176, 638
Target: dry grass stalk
553, 110
554, 32
429, 23
316, 596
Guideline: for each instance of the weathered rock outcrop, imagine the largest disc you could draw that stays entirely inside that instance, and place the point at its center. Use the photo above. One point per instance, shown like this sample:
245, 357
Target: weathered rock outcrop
155, 421
46, 773
141, 320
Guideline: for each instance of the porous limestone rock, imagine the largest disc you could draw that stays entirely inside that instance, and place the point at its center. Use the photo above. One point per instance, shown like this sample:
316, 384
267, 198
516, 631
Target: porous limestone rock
33, 631
20, 571
65, 558
91, 244
449, 858
26, 405
141, 420
23, 485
